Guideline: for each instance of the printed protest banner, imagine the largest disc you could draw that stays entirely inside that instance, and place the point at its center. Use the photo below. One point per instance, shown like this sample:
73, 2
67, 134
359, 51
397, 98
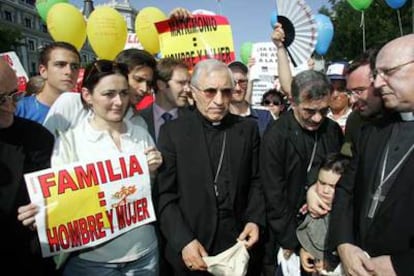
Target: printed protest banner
14, 62
85, 204
264, 71
196, 38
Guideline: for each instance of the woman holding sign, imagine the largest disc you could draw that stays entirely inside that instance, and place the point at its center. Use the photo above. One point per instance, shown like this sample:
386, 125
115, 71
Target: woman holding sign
101, 142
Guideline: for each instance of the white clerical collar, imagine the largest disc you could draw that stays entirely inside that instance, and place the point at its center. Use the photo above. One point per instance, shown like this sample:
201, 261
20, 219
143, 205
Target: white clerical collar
216, 123
407, 116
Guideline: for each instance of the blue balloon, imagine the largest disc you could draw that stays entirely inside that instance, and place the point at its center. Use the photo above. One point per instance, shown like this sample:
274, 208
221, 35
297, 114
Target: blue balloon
325, 30
273, 19
395, 4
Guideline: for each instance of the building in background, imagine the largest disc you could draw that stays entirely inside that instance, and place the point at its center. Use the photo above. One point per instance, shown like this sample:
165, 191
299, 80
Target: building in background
22, 15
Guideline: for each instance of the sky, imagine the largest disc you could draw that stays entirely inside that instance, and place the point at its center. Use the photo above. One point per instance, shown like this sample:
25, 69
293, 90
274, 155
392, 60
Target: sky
249, 19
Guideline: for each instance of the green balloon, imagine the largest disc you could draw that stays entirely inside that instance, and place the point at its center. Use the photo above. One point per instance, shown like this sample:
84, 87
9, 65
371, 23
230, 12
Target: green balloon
245, 51
43, 7
360, 5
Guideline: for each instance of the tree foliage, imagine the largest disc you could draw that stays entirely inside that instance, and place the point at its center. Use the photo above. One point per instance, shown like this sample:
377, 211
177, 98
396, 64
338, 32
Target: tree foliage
9, 39
381, 25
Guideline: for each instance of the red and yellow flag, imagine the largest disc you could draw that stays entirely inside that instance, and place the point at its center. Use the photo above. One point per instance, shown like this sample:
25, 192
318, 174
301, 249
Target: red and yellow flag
197, 38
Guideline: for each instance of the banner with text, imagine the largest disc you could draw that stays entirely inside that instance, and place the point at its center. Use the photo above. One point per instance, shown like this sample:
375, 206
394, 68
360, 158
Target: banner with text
197, 38
85, 204
264, 71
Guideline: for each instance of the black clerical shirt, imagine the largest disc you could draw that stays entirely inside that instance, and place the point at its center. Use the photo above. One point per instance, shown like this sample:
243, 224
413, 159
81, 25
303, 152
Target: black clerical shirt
214, 134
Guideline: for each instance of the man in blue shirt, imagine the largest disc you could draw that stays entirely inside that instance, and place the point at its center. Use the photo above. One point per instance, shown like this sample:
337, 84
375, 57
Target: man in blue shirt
59, 67
238, 103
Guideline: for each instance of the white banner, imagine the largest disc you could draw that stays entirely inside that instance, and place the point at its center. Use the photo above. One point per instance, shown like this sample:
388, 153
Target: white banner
85, 204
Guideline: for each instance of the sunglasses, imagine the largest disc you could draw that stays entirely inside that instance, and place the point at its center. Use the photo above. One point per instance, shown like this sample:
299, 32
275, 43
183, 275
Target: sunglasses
274, 102
212, 92
14, 96
105, 66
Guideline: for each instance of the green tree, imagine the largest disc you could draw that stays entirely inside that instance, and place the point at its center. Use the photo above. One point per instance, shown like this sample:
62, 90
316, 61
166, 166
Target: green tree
9, 39
381, 25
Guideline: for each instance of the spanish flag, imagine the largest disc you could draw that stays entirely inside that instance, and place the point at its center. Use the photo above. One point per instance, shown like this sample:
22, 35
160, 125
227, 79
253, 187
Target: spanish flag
197, 38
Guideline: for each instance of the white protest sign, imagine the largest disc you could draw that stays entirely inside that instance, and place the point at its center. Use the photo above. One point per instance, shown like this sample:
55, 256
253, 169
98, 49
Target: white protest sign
84, 204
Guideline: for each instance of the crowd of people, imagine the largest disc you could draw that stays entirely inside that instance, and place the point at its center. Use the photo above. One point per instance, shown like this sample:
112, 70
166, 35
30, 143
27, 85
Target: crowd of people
317, 178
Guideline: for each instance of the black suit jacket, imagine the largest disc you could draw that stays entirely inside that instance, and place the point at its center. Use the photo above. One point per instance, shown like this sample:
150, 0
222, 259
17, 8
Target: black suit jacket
285, 179
148, 115
391, 231
187, 205
25, 146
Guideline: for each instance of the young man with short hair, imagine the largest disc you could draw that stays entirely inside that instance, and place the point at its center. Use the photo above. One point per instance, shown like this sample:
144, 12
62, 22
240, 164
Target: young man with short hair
59, 67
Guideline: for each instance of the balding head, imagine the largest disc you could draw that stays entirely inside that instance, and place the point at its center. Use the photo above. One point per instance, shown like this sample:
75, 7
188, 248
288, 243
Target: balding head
8, 84
394, 70
401, 47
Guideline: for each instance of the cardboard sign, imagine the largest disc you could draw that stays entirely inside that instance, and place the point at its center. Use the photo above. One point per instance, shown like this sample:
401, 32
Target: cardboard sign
197, 38
84, 204
264, 71
14, 62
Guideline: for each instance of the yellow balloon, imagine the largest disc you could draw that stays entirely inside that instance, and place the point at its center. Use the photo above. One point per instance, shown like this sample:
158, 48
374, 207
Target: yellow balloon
66, 23
107, 32
145, 28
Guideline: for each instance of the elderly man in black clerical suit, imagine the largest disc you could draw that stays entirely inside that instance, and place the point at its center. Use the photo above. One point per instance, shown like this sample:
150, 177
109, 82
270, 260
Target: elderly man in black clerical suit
25, 146
371, 219
209, 191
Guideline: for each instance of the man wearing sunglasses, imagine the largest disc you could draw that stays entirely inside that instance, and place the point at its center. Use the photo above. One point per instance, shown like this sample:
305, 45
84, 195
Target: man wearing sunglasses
371, 223
25, 146
209, 190
59, 67
238, 103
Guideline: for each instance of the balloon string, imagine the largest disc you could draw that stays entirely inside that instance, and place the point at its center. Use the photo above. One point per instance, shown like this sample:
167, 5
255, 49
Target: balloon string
323, 62
363, 31
399, 22
219, 7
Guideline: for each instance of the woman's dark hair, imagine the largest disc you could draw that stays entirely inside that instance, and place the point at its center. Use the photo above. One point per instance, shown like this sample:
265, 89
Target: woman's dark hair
95, 71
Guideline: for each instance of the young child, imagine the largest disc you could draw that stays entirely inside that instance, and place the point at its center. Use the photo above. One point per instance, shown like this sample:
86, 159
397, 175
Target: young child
312, 232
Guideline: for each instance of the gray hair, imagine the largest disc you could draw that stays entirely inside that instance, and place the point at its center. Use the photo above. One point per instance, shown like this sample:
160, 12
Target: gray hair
205, 67
310, 85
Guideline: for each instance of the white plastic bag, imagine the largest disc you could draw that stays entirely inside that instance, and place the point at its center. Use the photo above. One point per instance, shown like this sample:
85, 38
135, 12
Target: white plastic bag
231, 262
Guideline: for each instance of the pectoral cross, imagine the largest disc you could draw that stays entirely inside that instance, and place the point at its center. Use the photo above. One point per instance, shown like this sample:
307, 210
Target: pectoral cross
377, 197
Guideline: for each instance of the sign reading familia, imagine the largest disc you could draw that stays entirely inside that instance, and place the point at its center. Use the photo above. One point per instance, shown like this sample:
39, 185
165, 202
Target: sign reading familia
196, 38
85, 204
